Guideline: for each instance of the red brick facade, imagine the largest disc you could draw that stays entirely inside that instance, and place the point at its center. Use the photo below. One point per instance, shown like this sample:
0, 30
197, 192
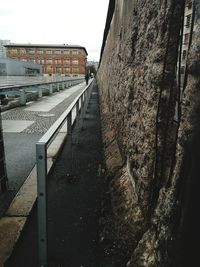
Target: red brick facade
56, 59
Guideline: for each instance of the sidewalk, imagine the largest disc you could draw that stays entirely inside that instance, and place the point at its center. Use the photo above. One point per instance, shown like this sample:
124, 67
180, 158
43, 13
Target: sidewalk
74, 196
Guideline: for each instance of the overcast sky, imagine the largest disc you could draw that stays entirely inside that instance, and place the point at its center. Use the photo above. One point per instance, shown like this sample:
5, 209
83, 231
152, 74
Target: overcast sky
79, 22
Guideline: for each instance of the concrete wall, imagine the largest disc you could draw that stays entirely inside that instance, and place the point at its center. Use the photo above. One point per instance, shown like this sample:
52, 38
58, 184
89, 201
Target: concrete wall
144, 146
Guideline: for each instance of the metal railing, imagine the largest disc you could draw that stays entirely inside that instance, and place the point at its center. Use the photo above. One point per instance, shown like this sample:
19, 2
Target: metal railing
78, 106
39, 87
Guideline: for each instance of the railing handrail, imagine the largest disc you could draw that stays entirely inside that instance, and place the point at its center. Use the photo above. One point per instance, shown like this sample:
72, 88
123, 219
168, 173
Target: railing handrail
39, 83
47, 138
41, 161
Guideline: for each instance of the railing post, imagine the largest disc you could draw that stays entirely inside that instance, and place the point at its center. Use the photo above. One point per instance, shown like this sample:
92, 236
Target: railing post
41, 160
58, 87
85, 102
63, 85
69, 137
22, 97
40, 91
51, 88
77, 109
82, 112
77, 113
69, 127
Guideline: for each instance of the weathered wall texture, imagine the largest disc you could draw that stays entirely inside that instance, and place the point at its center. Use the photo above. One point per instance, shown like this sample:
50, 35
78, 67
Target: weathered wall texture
145, 149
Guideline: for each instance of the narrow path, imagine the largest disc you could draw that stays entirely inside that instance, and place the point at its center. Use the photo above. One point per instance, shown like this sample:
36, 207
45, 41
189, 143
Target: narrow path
22, 128
73, 202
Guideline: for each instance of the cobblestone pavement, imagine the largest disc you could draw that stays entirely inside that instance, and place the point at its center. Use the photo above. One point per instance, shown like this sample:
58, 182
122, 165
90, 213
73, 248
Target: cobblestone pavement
42, 120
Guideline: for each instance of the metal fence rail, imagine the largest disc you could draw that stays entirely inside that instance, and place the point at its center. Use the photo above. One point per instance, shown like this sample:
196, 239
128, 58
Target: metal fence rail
39, 87
78, 106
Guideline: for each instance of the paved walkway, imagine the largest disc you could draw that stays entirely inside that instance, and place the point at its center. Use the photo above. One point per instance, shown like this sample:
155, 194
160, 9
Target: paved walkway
74, 196
38, 116
22, 128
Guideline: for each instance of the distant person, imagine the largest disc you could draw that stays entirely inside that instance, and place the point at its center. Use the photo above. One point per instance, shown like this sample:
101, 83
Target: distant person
86, 78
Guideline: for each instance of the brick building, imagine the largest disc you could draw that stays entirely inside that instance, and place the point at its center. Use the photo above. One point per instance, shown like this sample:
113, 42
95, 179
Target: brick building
65, 60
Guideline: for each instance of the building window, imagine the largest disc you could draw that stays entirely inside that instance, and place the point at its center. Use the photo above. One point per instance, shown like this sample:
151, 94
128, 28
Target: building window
48, 52
75, 70
58, 52
40, 61
49, 68
66, 52
49, 61
22, 51
67, 70
13, 51
75, 52
58, 61
67, 62
40, 52
31, 51
58, 69
75, 62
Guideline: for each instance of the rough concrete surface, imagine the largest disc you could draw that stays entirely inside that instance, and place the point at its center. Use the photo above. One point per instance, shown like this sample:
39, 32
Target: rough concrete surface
146, 150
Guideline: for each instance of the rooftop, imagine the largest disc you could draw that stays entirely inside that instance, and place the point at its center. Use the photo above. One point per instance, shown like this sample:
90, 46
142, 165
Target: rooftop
46, 46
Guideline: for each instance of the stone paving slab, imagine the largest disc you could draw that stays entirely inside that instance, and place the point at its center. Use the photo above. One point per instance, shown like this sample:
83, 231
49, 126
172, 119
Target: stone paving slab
15, 126
42, 123
52, 101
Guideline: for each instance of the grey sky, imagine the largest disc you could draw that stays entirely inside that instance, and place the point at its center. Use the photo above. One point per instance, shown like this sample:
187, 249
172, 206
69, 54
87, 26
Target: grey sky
79, 22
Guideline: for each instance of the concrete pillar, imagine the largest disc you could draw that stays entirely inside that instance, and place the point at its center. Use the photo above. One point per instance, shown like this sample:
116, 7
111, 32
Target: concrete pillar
22, 97
40, 92
51, 88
